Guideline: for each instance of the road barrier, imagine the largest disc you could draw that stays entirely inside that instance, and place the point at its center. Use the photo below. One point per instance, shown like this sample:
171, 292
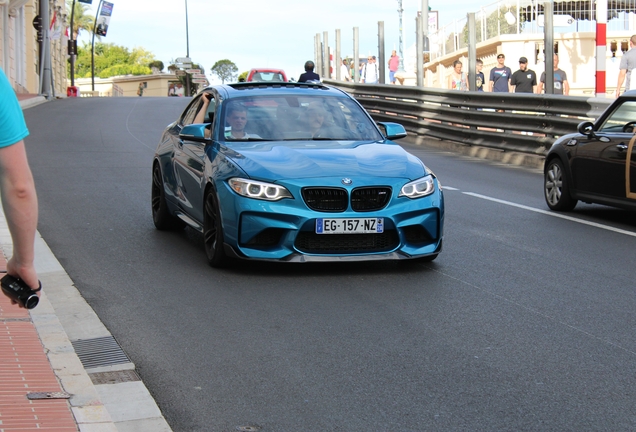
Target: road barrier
519, 122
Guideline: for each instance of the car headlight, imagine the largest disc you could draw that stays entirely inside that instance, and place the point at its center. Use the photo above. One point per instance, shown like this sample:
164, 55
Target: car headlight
418, 188
258, 190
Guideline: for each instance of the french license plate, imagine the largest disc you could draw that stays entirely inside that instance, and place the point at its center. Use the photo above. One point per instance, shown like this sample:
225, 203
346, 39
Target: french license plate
350, 226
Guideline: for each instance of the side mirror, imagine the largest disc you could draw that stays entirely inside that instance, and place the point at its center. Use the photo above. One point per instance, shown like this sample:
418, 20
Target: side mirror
392, 131
586, 128
194, 132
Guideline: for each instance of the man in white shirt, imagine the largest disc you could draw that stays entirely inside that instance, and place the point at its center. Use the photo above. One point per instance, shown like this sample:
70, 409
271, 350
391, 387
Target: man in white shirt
344, 71
370, 72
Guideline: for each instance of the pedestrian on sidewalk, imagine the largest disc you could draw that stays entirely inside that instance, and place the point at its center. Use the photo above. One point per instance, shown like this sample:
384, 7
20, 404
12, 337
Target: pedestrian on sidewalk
17, 188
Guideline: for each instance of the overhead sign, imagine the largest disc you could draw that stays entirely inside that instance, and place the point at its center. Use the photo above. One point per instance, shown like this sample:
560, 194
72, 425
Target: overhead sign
183, 60
200, 81
104, 18
183, 65
193, 71
557, 20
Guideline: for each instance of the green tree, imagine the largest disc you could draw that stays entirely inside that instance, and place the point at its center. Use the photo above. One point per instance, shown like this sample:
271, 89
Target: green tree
243, 75
113, 60
156, 64
224, 69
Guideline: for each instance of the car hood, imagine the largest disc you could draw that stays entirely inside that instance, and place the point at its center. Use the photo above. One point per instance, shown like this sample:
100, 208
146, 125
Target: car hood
305, 159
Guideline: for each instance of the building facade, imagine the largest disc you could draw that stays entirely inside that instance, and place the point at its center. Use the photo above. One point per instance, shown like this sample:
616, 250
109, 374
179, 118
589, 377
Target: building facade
33, 64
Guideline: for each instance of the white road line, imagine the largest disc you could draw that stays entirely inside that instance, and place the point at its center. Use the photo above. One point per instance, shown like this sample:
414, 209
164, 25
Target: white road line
550, 213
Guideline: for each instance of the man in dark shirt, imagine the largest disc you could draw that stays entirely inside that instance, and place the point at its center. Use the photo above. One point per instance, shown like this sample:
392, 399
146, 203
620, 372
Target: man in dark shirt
524, 80
500, 76
309, 74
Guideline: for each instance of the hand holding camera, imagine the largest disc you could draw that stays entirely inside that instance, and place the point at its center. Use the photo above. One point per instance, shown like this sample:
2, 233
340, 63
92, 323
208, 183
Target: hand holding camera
18, 291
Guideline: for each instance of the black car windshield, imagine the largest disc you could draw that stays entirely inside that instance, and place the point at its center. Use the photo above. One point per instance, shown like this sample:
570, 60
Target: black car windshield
623, 114
293, 117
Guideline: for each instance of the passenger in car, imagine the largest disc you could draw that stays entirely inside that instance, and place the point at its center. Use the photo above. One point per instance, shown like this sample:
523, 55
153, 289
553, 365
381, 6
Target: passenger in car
316, 115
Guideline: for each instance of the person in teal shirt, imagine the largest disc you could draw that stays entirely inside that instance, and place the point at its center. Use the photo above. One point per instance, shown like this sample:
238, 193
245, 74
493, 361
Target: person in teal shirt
17, 188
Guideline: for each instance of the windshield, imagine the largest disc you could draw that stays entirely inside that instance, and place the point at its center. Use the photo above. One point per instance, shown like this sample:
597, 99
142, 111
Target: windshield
280, 118
623, 114
268, 76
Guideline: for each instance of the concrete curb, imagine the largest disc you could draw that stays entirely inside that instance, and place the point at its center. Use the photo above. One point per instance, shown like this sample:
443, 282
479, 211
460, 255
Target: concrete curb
63, 316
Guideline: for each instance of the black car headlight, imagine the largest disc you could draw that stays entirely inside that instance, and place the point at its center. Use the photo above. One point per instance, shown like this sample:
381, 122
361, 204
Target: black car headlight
258, 190
418, 188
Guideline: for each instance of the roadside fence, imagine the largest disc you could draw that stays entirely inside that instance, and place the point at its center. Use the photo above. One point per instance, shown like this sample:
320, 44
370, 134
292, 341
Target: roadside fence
519, 122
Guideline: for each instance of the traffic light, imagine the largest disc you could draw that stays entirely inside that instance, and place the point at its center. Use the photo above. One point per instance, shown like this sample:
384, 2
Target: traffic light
37, 24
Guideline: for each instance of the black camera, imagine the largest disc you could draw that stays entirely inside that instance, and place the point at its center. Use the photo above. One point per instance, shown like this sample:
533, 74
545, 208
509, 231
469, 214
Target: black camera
19, 291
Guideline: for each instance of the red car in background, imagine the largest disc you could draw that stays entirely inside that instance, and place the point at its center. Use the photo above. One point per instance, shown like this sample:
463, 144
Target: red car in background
267, 75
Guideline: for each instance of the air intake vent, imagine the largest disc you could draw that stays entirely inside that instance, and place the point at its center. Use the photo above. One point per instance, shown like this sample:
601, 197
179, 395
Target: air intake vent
370, 198
326, 199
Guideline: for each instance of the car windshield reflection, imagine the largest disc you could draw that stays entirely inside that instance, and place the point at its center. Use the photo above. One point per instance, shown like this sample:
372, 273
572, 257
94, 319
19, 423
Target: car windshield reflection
291, 118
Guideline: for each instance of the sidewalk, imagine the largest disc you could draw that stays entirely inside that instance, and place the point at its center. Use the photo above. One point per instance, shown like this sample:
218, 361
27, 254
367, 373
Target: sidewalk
60, 368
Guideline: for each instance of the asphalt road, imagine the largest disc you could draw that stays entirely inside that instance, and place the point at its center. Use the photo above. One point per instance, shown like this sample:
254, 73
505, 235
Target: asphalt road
524, 322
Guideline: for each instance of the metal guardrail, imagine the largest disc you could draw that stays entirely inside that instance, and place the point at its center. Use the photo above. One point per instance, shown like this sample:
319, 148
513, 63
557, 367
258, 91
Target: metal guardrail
520, 122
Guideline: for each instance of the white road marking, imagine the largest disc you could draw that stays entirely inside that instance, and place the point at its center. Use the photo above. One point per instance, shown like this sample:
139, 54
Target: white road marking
550, 213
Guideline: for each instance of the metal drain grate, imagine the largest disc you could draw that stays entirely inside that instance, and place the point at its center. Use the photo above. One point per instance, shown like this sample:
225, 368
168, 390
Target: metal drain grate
114, 377
103, 351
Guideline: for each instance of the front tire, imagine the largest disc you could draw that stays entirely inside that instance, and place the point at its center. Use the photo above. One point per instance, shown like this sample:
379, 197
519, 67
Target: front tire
213, 231
556, 188
161, 216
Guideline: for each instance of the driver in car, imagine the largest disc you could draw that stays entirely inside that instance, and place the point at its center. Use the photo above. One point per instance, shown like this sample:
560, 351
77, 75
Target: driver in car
236, 118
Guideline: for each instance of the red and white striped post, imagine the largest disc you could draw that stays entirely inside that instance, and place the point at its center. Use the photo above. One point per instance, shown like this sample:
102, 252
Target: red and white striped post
601, 46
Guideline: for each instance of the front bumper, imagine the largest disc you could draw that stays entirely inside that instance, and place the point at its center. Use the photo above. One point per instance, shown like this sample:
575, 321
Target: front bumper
285, 230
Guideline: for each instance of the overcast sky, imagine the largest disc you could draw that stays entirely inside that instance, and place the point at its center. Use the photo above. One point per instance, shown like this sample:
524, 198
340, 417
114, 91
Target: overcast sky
261, 33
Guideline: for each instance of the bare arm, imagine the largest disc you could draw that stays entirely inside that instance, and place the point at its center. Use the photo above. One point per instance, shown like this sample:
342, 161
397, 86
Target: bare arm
621, 79
200, 117
566, 88
540, 87
19, 201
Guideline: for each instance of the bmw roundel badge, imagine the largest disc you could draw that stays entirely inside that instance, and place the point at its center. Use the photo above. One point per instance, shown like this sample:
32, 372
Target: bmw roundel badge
346, 181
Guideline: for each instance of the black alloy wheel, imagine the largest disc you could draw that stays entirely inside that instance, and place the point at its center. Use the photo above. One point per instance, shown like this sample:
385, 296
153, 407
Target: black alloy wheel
161, 216
556, 188
213, 231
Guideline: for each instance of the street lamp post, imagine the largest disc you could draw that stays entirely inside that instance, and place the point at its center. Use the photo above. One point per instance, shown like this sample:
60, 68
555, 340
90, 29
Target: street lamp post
99, 6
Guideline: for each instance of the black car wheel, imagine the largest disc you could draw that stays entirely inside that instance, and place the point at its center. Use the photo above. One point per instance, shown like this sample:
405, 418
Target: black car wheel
160, 214
556, 187
213, 231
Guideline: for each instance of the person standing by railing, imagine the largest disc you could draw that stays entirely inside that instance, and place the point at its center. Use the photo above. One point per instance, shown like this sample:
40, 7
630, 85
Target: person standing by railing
524, 80
500, 76
394, 64
628, 64
480, 79
561, 85
370, 72
457, 78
